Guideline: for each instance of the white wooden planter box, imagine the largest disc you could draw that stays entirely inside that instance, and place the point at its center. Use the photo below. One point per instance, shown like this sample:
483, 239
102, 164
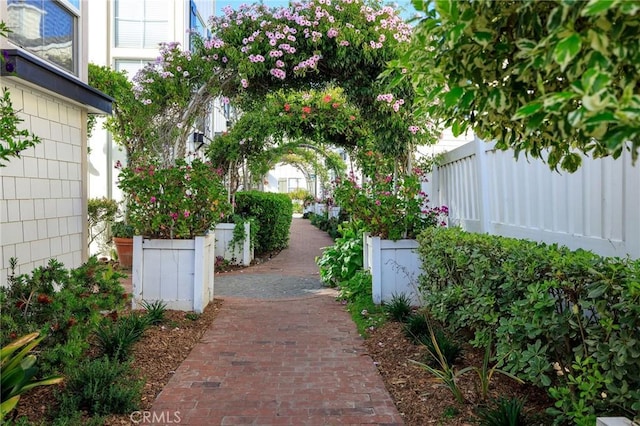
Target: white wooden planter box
394, 266
176, 272
241, 254
334, 212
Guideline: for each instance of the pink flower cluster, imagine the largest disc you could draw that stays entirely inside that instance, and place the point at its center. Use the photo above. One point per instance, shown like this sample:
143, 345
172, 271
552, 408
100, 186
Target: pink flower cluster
388, 98
414, 129
278, 73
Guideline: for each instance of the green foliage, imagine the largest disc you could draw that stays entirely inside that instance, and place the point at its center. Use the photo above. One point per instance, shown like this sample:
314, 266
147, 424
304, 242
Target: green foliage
417, 327
449, 348
547, 78
154, 312
399, 308
444, 372
116, 338
100, 386
18, 371
356, 292
121, 229
392, 207
504, 412
63, 304
485, 373
548, 308
331, 225
342, 260
102, 214
12, 140
239, 232
184, 200
273, 212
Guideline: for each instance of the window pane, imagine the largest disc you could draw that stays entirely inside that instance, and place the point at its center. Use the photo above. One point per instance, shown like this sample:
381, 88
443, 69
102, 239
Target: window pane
45, 28
155, 33
131, 66
129, 34
140, 24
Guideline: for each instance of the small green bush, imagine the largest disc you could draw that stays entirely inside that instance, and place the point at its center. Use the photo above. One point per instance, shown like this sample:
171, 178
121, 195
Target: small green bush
154, 312
100, 386
550, 309
116, 338
340, 261
273, 213
399, 308
449, 348
416, 327
504, 412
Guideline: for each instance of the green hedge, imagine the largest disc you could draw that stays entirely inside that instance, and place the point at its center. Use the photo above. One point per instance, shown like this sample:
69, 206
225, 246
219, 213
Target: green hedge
548, 309
273, 213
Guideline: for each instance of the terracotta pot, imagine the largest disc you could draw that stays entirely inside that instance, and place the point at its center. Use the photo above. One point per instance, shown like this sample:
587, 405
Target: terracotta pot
124, 247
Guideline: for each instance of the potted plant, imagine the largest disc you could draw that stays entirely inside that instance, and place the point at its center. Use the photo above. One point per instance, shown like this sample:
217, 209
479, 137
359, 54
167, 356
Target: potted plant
122, 237
172, 210
394, 210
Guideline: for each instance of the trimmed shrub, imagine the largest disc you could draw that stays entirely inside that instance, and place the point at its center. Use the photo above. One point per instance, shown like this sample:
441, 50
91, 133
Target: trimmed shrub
565, 320
272, 212
101, 386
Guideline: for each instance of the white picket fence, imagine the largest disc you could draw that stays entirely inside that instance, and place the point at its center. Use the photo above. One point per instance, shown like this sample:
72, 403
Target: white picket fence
596, 208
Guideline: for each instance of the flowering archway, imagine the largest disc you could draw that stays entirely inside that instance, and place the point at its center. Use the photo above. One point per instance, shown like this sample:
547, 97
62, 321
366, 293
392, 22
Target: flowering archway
255, 51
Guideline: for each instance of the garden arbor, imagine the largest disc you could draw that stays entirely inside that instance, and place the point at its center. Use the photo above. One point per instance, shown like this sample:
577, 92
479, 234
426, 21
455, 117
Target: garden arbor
266, 61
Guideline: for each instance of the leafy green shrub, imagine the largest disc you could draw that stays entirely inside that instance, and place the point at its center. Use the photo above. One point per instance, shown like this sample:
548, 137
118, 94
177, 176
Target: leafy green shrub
63, 304
154, 312
399, 308
273, 212
116, 338
18, 370
239, 231
505, 412
100, 386
416, 327
548, 307
340, 262
450, 349
356, 292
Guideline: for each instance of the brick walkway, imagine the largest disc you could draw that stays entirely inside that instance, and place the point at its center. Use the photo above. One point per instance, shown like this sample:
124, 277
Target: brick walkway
279, 360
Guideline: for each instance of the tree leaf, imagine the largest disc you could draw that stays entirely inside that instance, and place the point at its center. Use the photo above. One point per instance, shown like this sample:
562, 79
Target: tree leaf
596, 7
567, 49
527, 110
483, 38
452, 96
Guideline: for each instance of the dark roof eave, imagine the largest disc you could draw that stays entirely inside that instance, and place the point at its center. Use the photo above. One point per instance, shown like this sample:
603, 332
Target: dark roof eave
36, 71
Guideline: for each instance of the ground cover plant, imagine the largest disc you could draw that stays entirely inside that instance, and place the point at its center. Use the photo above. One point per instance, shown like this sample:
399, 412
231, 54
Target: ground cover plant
105, 359
564, 320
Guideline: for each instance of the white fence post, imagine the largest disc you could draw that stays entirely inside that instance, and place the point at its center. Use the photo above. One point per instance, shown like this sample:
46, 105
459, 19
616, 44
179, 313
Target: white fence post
484, 188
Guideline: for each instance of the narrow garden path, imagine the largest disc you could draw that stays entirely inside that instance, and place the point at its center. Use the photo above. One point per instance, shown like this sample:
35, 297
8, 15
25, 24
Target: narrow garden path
281, 351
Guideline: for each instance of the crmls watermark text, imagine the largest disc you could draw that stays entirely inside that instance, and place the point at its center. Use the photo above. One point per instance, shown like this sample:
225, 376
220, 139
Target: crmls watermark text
155, 417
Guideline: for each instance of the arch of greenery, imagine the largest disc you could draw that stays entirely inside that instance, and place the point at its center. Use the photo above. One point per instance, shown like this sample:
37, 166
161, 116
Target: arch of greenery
305, 72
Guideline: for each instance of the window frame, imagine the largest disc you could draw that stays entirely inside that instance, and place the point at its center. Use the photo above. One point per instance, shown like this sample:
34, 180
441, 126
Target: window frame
72, 11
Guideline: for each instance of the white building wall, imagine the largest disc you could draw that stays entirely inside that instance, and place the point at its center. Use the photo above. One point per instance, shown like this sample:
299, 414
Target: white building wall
42, 198
284, 171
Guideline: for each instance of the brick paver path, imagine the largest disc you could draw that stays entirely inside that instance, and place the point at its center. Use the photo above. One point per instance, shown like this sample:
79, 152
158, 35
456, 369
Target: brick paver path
281, 357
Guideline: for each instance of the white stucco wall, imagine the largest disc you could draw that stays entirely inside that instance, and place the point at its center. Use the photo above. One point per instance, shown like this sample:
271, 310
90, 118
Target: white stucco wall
42, 195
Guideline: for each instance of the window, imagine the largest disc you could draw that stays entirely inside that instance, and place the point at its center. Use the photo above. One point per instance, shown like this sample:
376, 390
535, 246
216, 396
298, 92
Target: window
196, 24
141, 24
46, 28
131, 66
